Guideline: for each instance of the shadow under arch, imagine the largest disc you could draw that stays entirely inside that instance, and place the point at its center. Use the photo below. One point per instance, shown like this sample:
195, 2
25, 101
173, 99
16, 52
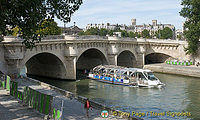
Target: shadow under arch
46, 65
154, 58
127, 59
90, 59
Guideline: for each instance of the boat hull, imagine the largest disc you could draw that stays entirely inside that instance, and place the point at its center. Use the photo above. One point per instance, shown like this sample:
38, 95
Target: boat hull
110, 80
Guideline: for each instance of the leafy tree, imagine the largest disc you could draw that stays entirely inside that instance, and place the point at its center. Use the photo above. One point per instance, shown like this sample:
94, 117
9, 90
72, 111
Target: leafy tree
49, 27
179, 37
81, 33
145, 33
110, 32
15, 31
92, 31
166, 33
190, 11
124, 33
137, 35
29, 14
131, 34
103, 32
158, 34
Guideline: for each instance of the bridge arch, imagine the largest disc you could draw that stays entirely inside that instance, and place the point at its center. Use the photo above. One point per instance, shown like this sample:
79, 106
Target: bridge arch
91, 58
45, 64
126, 58
153, 58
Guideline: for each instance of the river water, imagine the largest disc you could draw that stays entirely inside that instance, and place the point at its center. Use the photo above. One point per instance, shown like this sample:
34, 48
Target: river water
181, 94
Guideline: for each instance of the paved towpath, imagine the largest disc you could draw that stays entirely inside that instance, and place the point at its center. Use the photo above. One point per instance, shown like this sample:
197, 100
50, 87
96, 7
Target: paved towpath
10, 109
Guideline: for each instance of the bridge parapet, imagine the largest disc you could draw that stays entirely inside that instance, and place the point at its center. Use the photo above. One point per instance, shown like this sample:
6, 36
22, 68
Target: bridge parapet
12, 39
85, 37
167, 41
54, 37
96, 37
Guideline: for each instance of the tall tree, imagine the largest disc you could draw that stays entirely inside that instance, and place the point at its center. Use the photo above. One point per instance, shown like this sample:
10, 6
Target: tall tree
81, 33
28, 15
124, 33
131, 34
110, 32
145, 33
138, 35
15, 31
49, 27
166, 33
92, 31
191, 11
103, 32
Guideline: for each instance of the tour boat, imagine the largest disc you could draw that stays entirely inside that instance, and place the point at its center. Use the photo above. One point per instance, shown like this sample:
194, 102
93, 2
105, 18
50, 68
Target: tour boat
133, 77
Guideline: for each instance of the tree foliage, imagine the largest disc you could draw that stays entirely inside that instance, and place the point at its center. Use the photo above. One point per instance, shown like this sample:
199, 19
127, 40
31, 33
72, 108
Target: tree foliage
15, 31
29, 14
166, 33
131, 35
92, 31
179, 37
145, 33
49, 27
124, 33
138, 35
104, 32
191, 11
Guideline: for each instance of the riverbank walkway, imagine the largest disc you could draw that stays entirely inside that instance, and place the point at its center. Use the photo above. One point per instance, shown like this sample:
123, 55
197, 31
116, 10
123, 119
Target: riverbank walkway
11, 109
192, 70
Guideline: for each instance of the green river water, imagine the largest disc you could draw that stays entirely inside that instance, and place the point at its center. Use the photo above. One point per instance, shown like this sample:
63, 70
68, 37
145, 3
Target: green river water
181, 94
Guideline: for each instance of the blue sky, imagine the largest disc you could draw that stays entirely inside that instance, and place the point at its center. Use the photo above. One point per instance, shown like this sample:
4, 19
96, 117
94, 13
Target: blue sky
122, 11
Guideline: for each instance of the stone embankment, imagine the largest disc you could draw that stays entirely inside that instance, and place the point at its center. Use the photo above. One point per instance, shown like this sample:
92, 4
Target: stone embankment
192, 70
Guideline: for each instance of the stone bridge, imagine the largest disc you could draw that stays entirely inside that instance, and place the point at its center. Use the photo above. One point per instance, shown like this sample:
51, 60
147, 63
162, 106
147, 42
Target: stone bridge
62, 56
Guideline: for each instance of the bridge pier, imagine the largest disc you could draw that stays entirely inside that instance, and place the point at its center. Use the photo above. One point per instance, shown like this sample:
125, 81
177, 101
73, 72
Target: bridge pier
141, 60
13, 67
112, 59
71, 67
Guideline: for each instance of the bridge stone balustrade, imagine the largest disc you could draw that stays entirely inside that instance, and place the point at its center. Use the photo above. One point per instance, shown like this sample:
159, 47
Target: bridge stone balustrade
61, 56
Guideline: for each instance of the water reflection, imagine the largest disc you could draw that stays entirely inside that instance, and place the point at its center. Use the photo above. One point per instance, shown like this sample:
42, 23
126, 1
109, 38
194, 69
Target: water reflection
181, 94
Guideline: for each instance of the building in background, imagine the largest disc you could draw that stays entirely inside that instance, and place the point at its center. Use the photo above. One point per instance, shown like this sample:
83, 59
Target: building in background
152, 28
73, 30
99, 26
133, 22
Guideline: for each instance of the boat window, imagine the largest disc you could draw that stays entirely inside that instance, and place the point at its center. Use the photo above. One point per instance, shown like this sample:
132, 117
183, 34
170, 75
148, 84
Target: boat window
112, 72
141, 76
125, 73
150, 75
